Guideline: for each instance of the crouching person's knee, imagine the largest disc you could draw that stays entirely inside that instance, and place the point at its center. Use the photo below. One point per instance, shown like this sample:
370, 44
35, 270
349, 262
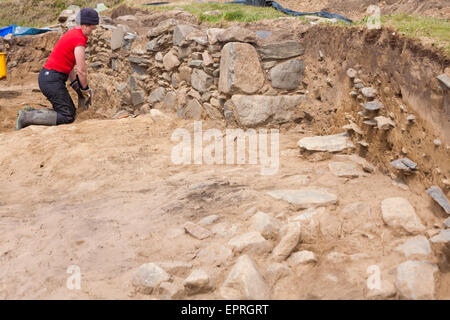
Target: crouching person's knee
65, 118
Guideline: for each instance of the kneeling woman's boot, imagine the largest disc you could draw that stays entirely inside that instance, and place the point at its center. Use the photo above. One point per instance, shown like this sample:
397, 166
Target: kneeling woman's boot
36, 116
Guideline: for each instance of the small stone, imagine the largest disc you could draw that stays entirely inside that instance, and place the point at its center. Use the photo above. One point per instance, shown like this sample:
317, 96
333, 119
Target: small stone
207, 59
386, 290
415, 280
170, 61
373, 105
148, 277
447, 223
156, 95
159, 56
436, 193
369, 92
251, 242
200, 80
196, 231
275, 271
245, 282
195, 63
170, 291
301, 257
268, 226
444, 81
384, 123
137, 98
399, 213
352, 73
442, 237
404, 164
411, 118
197, 282
437, 142
208, 220
181, 32
417, 246
176, 268
289, 241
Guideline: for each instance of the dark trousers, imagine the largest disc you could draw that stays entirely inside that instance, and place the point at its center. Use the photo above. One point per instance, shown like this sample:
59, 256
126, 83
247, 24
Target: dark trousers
53, 85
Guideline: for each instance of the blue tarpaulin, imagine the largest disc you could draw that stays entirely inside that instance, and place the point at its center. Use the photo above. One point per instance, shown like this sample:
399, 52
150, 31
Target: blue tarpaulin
21, 31
277, 6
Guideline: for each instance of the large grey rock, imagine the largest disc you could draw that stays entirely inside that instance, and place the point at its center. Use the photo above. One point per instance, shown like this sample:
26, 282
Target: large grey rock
281, 50
417, 246
305, 198
240, 69
256, 110
162, 27
181, 32
200, 80
244, 282
290, 238
415, 280
287, 75
251, 242
237, 34
399, 213
137, 98
157, 95
436, 193
373, 105
170, 61
148, 277
331, 143
197, 282
116, 39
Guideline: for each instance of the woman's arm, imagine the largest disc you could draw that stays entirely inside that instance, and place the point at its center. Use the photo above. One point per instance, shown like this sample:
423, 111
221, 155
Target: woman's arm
81, 66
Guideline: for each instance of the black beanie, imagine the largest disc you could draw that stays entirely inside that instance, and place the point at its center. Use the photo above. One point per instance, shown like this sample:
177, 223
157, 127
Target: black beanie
88, 16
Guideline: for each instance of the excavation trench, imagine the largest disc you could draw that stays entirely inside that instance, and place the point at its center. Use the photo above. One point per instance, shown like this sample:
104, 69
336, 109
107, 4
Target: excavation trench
141, 75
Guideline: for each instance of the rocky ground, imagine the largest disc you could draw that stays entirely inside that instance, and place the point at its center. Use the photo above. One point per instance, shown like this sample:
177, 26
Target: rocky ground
350, 202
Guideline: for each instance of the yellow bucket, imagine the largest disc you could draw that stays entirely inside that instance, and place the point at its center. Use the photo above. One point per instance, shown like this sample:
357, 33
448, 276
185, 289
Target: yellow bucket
2, 65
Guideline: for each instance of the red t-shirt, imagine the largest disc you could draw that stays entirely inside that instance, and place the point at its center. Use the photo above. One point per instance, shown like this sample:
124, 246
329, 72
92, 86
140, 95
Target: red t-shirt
62, 57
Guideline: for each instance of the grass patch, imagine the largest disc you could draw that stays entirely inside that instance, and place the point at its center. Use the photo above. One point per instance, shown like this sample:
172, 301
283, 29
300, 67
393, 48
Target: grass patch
419, 27
39, 13
222, 13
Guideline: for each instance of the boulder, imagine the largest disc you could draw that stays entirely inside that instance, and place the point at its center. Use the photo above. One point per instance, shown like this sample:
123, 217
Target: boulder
251, 111
181, 32
240, 69
116, 39
287, 75
170, 61
268, 226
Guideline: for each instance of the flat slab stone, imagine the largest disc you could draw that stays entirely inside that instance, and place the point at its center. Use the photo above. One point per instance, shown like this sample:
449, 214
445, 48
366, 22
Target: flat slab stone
345, 169
251, 242
330, 143
399, 213
251, 111
436, 193
196, 231
305, 198
444, 81
417, 246
404, 164
281, 50
415, 280
373, 105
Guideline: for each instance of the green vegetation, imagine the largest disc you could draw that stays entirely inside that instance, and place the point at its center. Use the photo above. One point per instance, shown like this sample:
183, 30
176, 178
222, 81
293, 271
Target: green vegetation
418, 27
39, 13
221, 13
